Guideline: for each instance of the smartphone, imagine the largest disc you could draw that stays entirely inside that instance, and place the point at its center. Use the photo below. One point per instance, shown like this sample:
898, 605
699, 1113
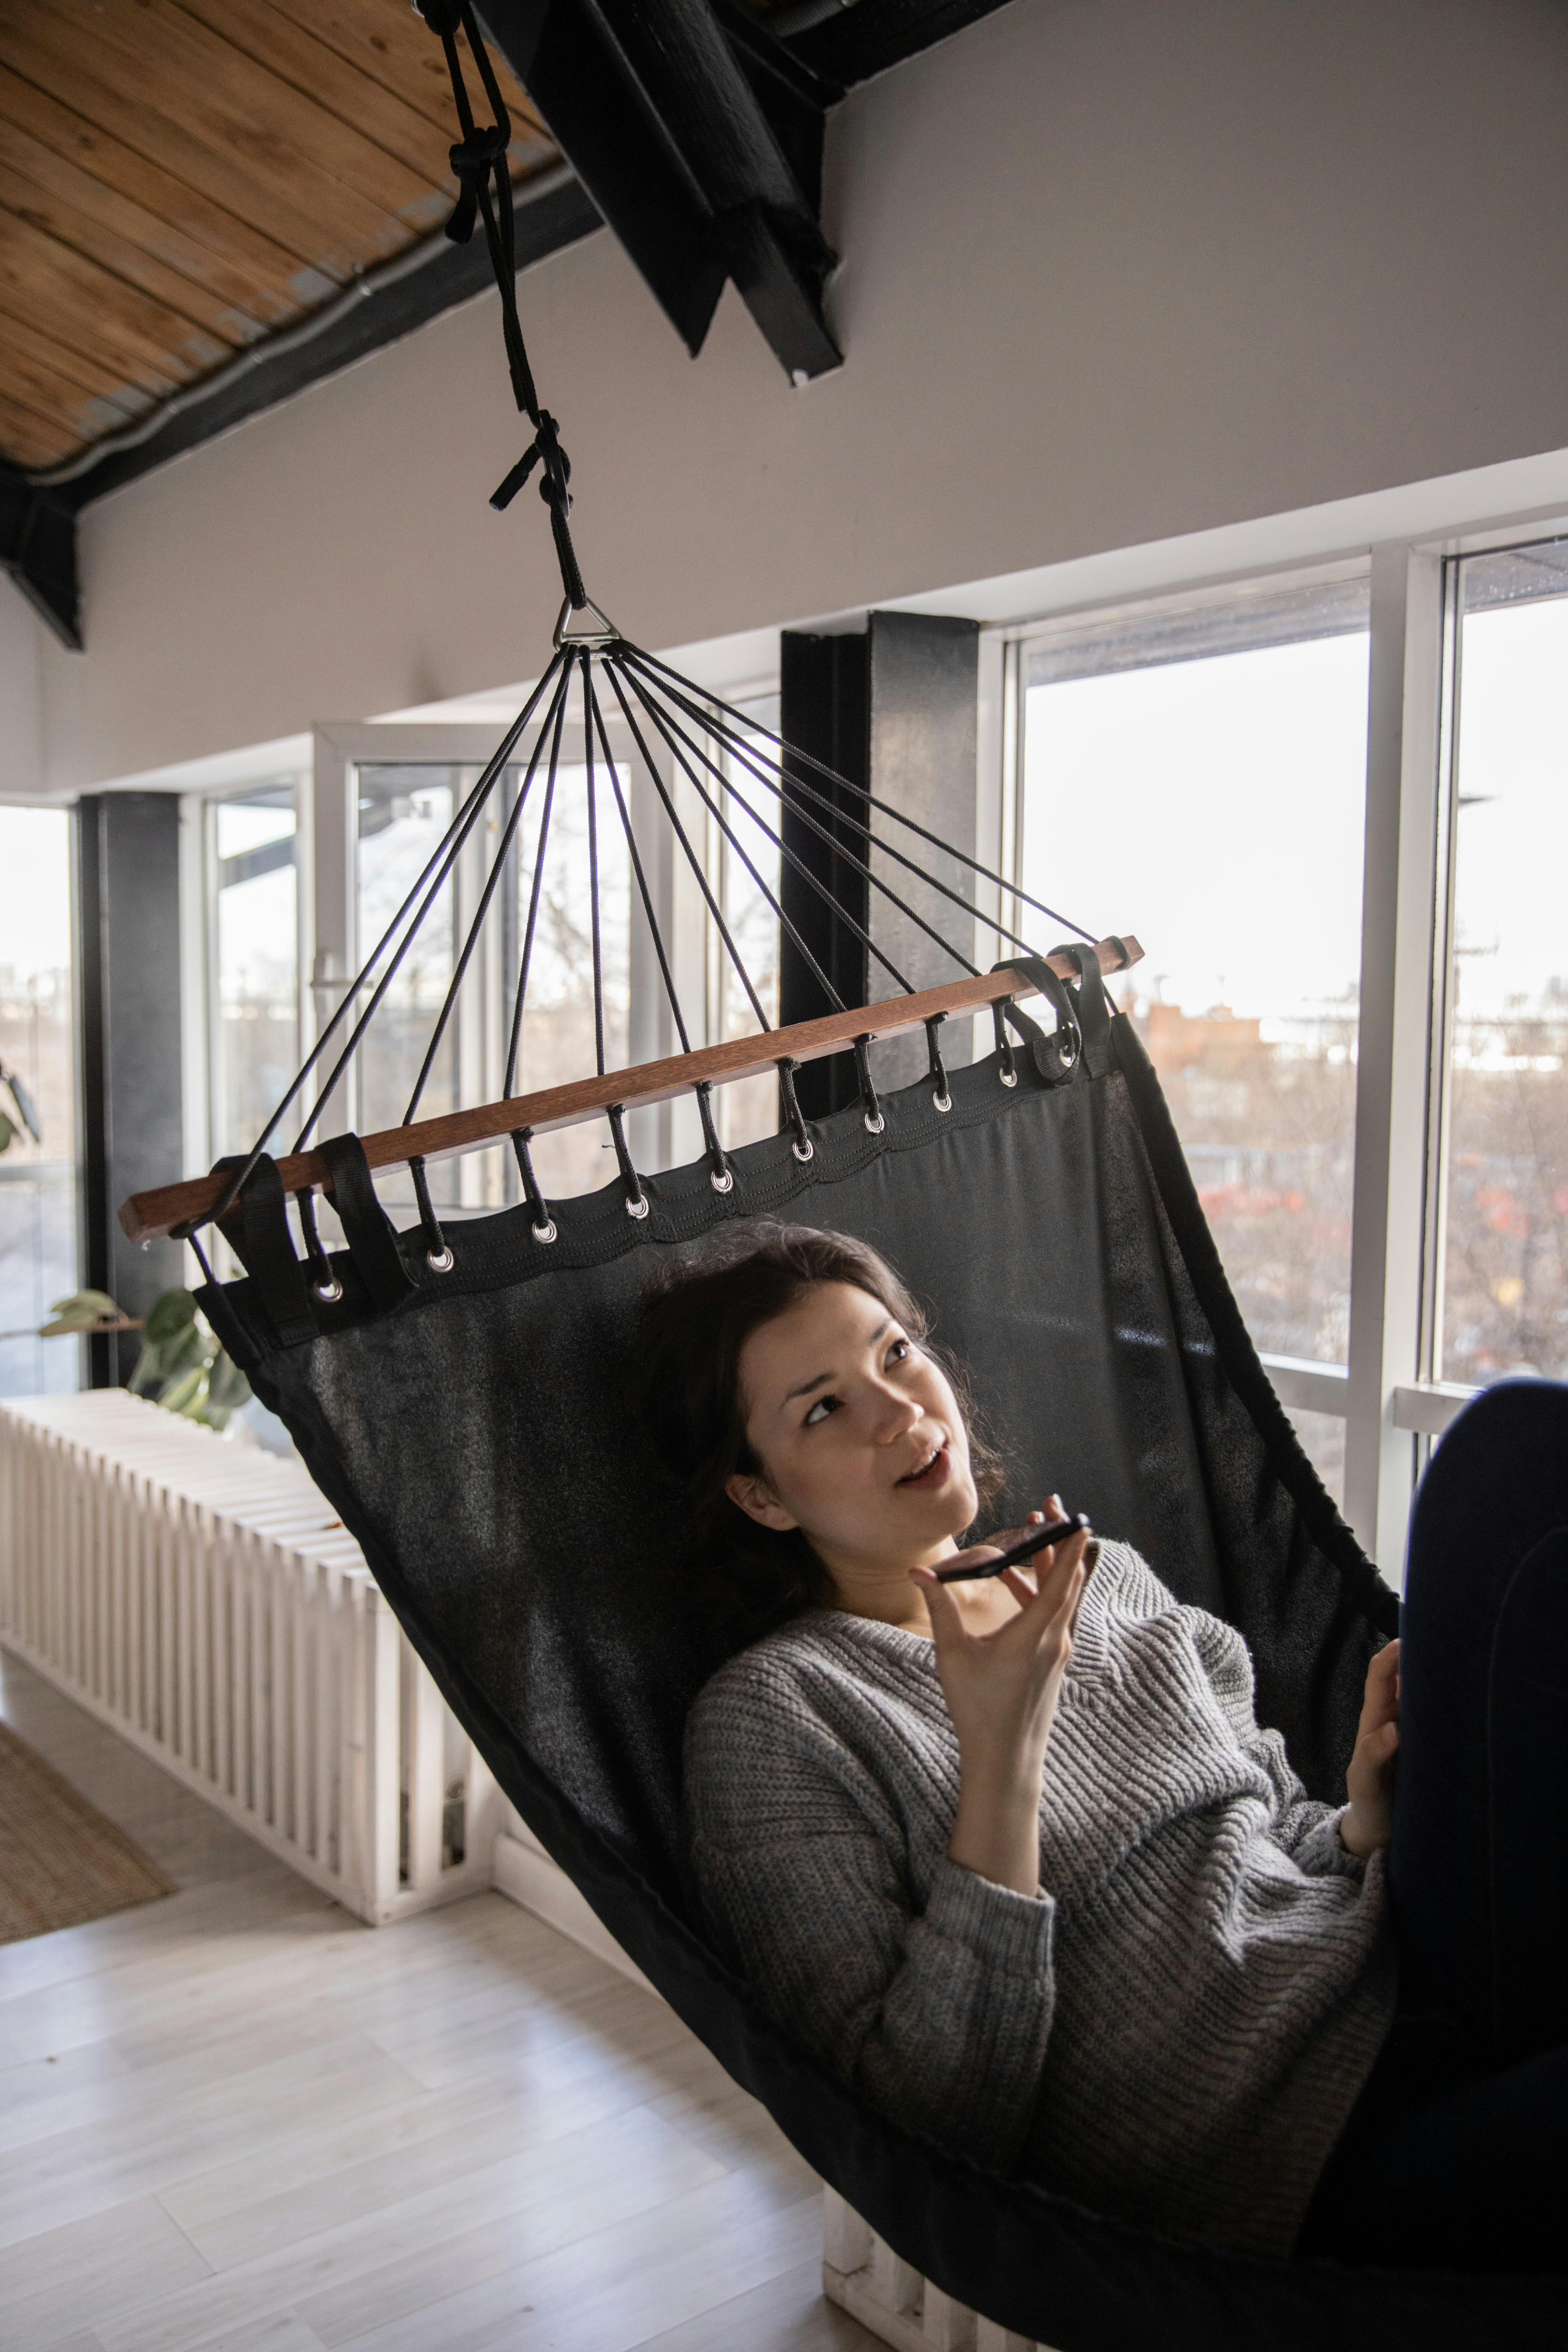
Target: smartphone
1036, 1540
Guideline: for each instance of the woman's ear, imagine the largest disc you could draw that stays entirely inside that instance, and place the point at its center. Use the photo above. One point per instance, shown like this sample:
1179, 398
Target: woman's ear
756, 1498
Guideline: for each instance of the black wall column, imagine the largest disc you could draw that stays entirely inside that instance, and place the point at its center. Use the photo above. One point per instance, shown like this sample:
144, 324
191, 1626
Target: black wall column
129, 966
894, 709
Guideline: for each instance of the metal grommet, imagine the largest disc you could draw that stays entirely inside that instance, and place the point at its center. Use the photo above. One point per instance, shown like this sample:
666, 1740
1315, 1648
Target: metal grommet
329, 1292
941, 1102
1008, 1077
803, 1151
638, 1207
441, 1261
1069, 1054
545, 1233
725, 1183
875, 1126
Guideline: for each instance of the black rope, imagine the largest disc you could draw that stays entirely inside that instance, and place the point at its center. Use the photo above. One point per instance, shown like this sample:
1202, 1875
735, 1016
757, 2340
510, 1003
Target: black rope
484, 191
720, 1175
643, 889
755, 726
942, 1097
825, 832
323, 1281
438, 1252
803, 1146
543, 1223
875, 1122
663, 726
498, 868
690, 854
595, 946
515, 1041
637, 1199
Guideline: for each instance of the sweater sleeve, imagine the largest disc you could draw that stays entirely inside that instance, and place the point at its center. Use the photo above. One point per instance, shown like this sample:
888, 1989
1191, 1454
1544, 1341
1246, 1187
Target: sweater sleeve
941, 2015
1304, 1828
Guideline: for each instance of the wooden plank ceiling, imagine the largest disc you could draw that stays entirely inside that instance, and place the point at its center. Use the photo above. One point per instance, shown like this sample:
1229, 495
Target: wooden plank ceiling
181, 178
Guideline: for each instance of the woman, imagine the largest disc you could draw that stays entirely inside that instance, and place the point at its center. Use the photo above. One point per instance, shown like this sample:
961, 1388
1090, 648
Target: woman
1014, 1855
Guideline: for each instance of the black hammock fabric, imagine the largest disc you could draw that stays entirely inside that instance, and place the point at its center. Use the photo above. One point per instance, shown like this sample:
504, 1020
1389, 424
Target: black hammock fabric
468, 1426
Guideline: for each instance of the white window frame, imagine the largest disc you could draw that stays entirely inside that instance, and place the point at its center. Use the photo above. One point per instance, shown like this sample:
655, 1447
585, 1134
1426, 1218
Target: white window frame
1392, 1406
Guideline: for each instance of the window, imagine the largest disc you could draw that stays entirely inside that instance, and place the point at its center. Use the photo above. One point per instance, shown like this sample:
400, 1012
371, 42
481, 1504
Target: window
1499, 1267
253, 1029
37, 1179
1198, 775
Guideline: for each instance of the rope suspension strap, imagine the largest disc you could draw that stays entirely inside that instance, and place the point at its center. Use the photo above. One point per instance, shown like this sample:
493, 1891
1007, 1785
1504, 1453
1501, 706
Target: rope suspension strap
943, 1096
478, 160
803, 1146
437, 1250
323, 1281
543, 1223
720, 1175
875, 1122
637, 1199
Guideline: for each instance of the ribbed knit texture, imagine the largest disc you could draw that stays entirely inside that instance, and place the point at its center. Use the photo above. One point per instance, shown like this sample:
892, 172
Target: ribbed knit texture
1174, 2029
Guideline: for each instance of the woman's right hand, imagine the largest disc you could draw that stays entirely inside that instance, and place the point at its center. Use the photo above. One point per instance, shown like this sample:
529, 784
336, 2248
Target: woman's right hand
1002, 1689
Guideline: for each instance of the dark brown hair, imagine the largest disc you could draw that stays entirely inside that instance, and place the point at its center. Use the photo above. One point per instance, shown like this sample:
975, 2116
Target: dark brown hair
684, 1380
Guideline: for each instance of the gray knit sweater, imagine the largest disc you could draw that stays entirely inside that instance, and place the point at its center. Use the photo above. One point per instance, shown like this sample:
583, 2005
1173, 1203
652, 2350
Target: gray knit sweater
1175, 2029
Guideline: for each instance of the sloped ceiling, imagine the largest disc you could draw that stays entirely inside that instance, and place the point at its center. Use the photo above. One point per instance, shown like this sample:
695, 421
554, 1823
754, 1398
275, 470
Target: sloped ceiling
179, 179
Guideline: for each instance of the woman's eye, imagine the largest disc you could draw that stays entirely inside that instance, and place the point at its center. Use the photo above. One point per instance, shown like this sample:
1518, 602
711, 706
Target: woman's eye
820, 1411
899, 1352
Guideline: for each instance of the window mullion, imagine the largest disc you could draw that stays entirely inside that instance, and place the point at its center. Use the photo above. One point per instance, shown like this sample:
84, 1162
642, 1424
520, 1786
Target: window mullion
1399, 885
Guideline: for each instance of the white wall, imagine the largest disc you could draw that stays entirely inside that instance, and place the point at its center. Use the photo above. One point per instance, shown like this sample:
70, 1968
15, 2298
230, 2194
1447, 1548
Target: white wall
1114, 270
21, 711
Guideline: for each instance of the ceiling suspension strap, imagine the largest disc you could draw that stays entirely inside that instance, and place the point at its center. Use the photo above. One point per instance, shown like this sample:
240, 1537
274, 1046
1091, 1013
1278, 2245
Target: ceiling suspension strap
875, 1122
720, 1175
323, 1281
803, 1146
437, 1249
543, 1223
942, 1097
637, 1199
478, 160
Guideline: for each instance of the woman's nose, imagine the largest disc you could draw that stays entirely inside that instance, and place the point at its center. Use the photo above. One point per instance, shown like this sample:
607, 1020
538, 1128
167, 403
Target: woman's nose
895, 1415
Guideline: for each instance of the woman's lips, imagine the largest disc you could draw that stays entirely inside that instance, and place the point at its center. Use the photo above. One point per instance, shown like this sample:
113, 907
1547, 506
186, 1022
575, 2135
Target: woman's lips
934, 1473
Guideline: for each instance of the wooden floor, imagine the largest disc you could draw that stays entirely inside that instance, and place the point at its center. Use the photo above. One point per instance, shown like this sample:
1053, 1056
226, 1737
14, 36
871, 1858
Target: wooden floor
238, 2119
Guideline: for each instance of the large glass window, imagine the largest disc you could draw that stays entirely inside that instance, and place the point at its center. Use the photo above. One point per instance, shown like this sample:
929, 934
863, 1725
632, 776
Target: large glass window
37, 1175
254, 1030
1198, 777
1501, 1266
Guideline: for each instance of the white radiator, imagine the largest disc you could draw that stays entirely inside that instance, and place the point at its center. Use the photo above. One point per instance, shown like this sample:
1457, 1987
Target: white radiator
200, 1597
861, 2273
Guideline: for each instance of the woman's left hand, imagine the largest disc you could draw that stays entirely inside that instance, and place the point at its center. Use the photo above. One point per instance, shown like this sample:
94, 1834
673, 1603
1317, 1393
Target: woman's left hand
1367, 1821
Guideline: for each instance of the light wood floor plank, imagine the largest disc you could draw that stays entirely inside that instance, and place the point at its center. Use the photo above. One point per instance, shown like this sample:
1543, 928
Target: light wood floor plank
237, 2121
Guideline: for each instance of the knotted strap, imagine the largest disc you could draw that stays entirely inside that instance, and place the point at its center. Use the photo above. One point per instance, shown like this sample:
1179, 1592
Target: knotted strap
255, 1227
373, 1243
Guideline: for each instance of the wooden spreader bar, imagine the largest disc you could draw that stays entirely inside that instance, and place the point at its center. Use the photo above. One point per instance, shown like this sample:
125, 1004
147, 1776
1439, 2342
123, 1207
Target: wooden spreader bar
146, 1216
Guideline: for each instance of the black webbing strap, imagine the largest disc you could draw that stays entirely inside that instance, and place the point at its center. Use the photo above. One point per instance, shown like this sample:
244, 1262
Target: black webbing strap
870, 1108
373, 1244
255, 1227
1057, 1054
1091, 1006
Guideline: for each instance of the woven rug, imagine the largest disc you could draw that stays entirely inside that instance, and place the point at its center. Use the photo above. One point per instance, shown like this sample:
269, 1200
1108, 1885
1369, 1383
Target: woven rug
62, 1863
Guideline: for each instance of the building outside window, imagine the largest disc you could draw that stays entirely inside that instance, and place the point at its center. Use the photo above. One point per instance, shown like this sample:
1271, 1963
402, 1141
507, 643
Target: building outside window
744, 867
253, 1028
37, 1179
1198, 774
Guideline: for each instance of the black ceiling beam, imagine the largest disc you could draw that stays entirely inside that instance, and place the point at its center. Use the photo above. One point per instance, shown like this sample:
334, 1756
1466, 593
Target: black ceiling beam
862, 38
699, 138
38, 548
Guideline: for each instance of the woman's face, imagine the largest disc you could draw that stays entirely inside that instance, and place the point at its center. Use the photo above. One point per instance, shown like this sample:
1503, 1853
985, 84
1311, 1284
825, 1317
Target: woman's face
860, 1436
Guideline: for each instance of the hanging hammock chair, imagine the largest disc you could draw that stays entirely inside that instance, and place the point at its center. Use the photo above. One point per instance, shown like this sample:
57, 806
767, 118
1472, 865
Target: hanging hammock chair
453, 1391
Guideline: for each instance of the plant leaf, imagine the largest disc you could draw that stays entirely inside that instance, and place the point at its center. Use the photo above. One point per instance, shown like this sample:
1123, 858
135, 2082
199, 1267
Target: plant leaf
82, 1310
167, 1317
8, 1132
187, 1391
